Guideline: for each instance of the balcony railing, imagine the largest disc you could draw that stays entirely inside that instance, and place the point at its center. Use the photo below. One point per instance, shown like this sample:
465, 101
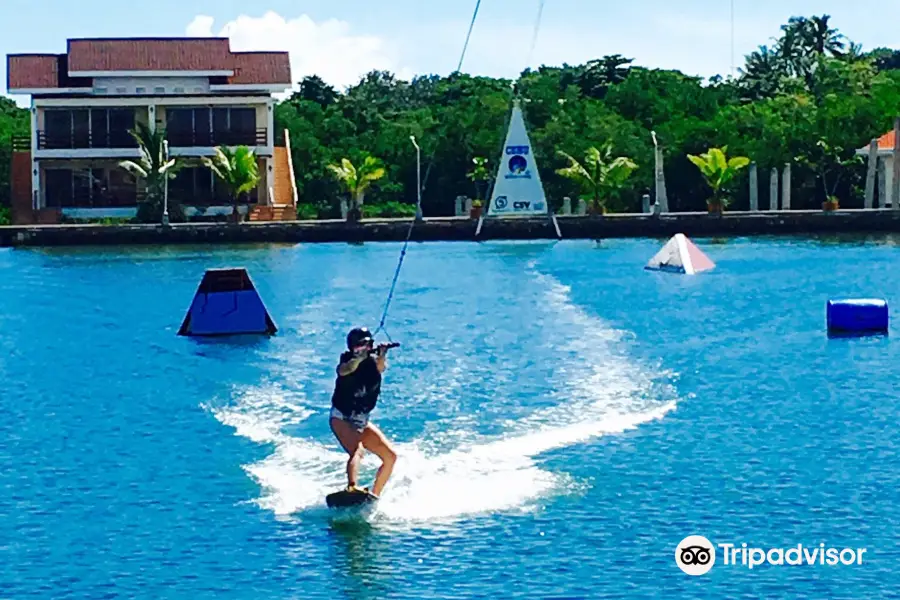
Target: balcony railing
21, 143
52, 140
187, 139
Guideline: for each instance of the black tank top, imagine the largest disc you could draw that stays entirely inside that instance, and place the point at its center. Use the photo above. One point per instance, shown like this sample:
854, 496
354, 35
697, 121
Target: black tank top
358, 391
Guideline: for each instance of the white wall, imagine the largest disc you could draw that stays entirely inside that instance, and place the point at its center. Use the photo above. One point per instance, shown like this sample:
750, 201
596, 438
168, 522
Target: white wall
889, 178
130, 85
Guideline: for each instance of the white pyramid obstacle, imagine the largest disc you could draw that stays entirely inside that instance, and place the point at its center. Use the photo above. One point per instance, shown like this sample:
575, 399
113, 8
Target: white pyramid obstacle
680, 255
518, 191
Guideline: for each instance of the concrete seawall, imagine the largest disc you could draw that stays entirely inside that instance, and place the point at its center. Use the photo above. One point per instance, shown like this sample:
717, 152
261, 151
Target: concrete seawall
461, 229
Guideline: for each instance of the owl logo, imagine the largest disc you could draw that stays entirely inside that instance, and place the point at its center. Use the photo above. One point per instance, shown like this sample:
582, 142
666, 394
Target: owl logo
695, 555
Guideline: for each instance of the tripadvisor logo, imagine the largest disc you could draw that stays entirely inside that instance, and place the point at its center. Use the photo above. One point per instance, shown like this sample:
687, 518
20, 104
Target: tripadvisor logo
696, 555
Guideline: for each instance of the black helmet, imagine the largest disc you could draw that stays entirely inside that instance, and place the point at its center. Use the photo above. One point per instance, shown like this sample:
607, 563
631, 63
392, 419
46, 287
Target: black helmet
357, 337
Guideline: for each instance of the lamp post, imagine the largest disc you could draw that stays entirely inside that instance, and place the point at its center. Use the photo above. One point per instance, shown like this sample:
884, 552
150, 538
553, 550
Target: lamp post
657, 175
418, 178
165, 215
732, 39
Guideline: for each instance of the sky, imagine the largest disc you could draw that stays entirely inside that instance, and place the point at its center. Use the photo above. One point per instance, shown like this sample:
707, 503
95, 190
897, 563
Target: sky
340, 40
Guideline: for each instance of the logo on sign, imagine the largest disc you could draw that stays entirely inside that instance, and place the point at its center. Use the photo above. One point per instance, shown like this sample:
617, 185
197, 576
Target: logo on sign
521, 205
518, 165
501, 202
517, 150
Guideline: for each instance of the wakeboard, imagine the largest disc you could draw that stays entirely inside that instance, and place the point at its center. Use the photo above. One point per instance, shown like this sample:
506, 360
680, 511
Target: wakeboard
350, 498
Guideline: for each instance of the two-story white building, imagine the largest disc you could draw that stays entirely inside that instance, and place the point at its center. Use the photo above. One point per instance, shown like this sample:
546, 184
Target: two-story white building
84, 102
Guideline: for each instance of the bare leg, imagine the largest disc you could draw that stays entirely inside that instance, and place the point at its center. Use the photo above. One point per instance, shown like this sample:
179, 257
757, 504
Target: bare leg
373, 439
351, 440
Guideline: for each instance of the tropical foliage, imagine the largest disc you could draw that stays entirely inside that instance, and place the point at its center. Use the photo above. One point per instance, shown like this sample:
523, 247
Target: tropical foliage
718, 171
356, 181
480, 176
14, 121
810, 98
238, 169
601, 177
154, 167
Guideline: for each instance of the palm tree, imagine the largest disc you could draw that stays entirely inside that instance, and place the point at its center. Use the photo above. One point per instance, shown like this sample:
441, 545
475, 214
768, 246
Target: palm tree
356, 181
600, 176
154, 166
237, 168
805, 42
598, 75
763, 72
718, 172
822, 39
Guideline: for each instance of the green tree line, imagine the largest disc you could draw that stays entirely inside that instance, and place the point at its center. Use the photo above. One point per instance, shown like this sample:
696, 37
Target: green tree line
811, 98
14, 121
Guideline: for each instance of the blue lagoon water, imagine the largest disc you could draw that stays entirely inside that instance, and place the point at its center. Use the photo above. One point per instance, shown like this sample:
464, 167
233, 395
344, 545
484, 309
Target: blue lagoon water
563, 419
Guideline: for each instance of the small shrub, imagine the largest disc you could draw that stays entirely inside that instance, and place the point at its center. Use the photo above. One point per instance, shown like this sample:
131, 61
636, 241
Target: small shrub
4, 215
307, 212
389, 210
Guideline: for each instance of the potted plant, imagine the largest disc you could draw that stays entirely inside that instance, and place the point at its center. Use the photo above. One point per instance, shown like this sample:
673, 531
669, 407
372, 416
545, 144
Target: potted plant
480, 176
476, 209
718, 171
831, 204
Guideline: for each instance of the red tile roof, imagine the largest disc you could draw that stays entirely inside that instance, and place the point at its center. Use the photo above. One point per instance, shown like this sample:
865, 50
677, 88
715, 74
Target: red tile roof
32, 71
885, 143
40, 71
36, 71
261, 68
169, 54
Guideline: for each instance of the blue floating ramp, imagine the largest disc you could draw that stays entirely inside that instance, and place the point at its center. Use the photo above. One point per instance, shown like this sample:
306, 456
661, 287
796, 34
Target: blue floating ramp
227, 303
860, 316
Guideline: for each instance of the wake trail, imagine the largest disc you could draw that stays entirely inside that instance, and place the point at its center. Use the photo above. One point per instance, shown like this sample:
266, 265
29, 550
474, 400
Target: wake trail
589, 388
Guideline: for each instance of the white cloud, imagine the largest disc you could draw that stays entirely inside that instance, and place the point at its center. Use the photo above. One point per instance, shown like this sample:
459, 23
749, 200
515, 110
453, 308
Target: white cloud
328, 49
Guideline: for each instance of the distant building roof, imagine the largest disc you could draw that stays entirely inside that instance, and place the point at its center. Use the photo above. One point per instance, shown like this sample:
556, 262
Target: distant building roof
88, 58
158, 54
261, 68
40, 71
885, 144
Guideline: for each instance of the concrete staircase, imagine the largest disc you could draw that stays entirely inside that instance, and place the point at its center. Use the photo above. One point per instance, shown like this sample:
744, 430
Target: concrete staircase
284, 188
273, 213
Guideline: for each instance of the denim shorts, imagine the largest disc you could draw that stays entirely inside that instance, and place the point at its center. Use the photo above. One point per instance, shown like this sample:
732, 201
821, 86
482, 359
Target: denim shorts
358, 420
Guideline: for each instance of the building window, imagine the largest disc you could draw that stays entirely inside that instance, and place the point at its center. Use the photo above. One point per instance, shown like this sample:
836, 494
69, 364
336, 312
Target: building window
198, 186
89, 188
221, 125
121, 90
65, 129
100, 90
58, 188
159, 90
110, 127
179, 90
83, 128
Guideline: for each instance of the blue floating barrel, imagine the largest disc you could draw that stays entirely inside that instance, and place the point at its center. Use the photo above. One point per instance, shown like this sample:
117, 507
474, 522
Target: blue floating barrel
859, 316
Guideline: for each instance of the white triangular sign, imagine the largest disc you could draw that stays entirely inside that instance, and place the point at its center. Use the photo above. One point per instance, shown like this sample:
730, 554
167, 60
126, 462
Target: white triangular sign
518, 189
